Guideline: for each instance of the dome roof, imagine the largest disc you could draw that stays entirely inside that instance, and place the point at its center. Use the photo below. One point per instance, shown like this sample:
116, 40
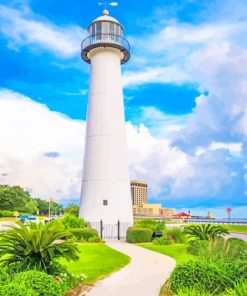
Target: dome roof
106, 18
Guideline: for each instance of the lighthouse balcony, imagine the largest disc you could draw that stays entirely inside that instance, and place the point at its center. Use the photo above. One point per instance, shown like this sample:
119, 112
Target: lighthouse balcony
105, 40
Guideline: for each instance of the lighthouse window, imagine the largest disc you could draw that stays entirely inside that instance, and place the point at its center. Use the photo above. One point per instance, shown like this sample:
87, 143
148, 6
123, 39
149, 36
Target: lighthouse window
105, 27
105, 202
112, 28
98, 28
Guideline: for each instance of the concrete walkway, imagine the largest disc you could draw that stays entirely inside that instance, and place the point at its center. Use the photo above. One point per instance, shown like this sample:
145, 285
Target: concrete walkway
144, 276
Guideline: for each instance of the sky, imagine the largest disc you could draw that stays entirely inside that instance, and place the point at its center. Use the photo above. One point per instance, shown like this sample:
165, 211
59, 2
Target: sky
185, 96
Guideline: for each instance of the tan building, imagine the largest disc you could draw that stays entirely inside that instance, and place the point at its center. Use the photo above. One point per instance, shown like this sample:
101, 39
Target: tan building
147, 209
153, 210
139, 193
167, 212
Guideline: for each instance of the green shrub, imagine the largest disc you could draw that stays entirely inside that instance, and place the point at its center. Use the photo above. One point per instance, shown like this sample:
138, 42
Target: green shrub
162, 241
176, 234
196, 247
16, 289
4, 276
231, 249
192, 292
68, 278
237, 248
213, 276
84, 234
95, 239
240, 289
151, 224
205, 231
35, 246
40, 283
71, 221
139, 235
6, 213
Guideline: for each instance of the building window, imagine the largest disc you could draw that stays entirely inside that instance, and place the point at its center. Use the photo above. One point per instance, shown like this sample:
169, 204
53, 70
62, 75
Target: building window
105, 202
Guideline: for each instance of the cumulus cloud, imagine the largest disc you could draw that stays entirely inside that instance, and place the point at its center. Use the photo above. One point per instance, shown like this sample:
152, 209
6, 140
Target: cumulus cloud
169, 74
40, 149
23, 27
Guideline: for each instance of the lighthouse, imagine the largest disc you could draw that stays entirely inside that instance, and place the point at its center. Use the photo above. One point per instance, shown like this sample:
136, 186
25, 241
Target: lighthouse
105, 193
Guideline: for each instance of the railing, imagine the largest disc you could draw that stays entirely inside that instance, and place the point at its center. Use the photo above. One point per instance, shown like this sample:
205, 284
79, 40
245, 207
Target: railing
105, 39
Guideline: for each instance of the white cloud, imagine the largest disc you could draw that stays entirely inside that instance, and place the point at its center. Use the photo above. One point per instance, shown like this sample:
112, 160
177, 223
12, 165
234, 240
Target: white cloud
161, 124
28, 131
22, 27
169, 74
43, 150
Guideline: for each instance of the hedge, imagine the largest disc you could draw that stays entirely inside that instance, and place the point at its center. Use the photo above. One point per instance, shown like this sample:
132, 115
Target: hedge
84, 234
139, 235
40, 283
6, 213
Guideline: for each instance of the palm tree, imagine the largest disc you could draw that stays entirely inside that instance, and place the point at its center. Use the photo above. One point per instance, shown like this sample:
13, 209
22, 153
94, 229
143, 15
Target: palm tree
205, 231
35, 246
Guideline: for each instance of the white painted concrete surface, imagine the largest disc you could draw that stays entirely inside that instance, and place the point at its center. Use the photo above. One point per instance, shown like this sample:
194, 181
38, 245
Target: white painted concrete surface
144, 276
105, 170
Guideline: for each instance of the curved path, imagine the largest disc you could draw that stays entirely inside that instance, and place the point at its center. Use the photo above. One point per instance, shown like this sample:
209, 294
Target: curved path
144, 276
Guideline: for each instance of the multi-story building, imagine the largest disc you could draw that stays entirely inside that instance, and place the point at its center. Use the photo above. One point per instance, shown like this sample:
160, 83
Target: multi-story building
139, 193
153, 210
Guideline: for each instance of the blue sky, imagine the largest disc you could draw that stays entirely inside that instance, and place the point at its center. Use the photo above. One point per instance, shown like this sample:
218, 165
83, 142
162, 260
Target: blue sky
185, 92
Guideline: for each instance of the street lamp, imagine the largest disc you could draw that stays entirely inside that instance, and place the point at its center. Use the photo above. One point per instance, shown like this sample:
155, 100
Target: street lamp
50, 200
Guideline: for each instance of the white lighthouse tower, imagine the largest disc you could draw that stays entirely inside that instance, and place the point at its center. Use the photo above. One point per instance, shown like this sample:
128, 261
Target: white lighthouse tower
105, 194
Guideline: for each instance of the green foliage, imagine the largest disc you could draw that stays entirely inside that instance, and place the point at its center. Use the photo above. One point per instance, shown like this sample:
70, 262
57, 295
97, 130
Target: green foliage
6, 213
176, 234
4, 276
205, 231
84, 234
237, 248
151, 224
72, 209
43, 207
191, 292
71, 221
234, 249
16, 198
41, 283
95, 239
162, 241
195, 247
213, 276
16, 289
139, 235
240, 289
35, 246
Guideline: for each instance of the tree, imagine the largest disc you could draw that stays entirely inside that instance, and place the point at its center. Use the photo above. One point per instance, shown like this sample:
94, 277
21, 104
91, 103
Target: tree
15, 198
43, 207
72, 209
205, 231
35, 246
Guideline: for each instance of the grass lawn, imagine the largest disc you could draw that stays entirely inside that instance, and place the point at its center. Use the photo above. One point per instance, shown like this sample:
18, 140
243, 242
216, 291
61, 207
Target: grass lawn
96, 261
231, 228
176, 251
236, 228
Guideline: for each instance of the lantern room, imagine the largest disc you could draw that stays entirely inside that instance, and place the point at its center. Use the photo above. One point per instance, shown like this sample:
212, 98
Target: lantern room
105, 31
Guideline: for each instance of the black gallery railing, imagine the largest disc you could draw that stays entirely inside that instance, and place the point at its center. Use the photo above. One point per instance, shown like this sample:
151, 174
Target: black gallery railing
105, 39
